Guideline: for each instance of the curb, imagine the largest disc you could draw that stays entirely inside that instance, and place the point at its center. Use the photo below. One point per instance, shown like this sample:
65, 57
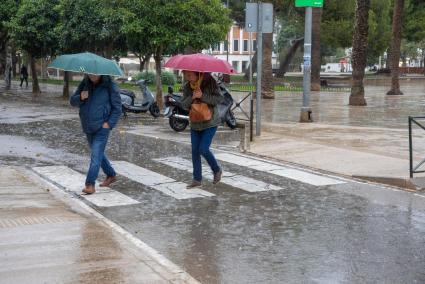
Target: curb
164, 266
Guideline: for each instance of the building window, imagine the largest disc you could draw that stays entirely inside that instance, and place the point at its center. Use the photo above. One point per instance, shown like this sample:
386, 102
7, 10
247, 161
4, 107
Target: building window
226, 45
235, 45
245, 45
254, 45
215, 47
244, 65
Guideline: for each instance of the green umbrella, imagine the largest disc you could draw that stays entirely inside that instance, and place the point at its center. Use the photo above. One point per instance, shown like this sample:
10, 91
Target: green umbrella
87, 63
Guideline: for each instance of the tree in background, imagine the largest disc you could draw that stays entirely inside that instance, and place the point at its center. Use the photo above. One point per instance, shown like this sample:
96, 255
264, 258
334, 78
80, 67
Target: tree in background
90, 25
360, 40
395, 48
413, 24
171, 26
8, 9
32, 29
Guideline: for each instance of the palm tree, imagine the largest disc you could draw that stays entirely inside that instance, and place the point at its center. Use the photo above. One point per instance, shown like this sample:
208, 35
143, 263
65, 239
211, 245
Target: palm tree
267, 88
359, 57
315, 49
395, 48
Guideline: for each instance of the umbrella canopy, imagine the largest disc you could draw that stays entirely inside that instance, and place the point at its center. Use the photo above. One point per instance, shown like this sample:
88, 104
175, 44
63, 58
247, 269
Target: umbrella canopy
199, 63
87, 63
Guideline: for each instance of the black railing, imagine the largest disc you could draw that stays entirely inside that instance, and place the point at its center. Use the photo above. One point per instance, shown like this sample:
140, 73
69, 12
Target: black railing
247, 116
414, 169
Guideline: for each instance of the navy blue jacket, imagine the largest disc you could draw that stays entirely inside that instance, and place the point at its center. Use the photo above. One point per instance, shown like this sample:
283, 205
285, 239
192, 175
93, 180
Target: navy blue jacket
102, 105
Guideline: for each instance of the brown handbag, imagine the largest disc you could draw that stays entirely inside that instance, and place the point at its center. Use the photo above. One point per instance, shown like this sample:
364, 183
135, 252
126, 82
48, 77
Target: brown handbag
199, 111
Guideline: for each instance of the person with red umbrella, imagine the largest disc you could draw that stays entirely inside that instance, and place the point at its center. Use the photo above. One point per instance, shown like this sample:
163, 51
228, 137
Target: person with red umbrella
201, 95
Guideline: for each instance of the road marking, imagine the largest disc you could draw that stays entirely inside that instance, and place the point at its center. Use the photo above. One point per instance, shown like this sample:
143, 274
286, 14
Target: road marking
238, 181
74, 181
159, 182
278, 170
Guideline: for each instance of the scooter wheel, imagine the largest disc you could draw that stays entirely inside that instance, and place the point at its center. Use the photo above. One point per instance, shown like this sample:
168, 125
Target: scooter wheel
177, 125
154, 110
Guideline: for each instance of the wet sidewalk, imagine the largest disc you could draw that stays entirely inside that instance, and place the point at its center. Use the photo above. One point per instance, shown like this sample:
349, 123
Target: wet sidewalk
367, 142
48, 237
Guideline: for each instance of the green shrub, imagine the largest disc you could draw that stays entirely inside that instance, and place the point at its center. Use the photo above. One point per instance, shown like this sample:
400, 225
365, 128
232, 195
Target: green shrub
146, 76
168, 78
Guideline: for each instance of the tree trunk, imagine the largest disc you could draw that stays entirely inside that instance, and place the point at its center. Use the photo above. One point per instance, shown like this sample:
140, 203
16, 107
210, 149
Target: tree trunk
65, 93
158, 57
360, 38
388, 61
14, 62
35, 87
316, 61
267, 85
143, 61
283, 66
395, 48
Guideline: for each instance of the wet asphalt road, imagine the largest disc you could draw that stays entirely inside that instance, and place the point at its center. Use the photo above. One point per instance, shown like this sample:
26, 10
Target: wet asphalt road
345, 233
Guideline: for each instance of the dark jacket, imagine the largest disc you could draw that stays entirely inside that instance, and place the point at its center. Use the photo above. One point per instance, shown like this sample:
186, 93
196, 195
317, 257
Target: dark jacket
24, 72
102, 105
210, 96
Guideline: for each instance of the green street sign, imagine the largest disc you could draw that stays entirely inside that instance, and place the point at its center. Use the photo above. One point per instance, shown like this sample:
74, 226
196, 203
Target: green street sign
308, 3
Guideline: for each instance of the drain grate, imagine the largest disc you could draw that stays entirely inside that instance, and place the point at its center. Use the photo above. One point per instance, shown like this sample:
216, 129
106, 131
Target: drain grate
26, 221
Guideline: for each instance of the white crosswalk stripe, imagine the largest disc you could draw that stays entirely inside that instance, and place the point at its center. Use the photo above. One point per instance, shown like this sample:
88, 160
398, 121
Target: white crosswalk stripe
302, 176
74, 181
158, 182
238, 181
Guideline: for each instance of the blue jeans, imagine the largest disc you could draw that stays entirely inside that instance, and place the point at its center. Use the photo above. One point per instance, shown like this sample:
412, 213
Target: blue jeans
98, 159
201, 142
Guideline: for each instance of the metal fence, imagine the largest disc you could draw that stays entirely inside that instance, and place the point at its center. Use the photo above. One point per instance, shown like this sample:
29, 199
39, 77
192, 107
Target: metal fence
248, 115
414, 120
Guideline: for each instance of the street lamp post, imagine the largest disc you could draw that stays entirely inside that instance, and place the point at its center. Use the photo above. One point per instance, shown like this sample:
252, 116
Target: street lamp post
306, 113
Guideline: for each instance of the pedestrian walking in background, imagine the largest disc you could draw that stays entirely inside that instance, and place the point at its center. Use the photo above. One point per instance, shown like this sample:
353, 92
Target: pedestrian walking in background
200, 97
100, 109
24, 75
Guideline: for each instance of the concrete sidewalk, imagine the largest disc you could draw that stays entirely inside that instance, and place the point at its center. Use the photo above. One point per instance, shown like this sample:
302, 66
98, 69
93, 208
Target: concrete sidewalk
46, 236
365, 142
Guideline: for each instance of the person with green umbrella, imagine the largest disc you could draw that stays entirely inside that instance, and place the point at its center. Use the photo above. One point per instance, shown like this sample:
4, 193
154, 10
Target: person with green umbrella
99, 102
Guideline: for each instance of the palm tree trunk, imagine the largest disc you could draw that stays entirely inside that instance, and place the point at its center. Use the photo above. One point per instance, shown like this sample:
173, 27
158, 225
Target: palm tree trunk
360, 38
65, 91
395, 48
315, 50
158, 57
35, 87
267, 76
284, 64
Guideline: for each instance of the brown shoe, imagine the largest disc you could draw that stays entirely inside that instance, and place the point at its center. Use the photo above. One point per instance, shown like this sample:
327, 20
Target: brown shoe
108, 181
217, 176
89, 189
194, 183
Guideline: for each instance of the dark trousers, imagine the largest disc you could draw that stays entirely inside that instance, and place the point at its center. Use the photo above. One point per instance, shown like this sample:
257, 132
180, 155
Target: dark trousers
22, 81
201, 142
98, 159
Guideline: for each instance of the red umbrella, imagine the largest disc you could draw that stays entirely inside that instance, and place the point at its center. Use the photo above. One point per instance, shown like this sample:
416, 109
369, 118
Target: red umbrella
199, 63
